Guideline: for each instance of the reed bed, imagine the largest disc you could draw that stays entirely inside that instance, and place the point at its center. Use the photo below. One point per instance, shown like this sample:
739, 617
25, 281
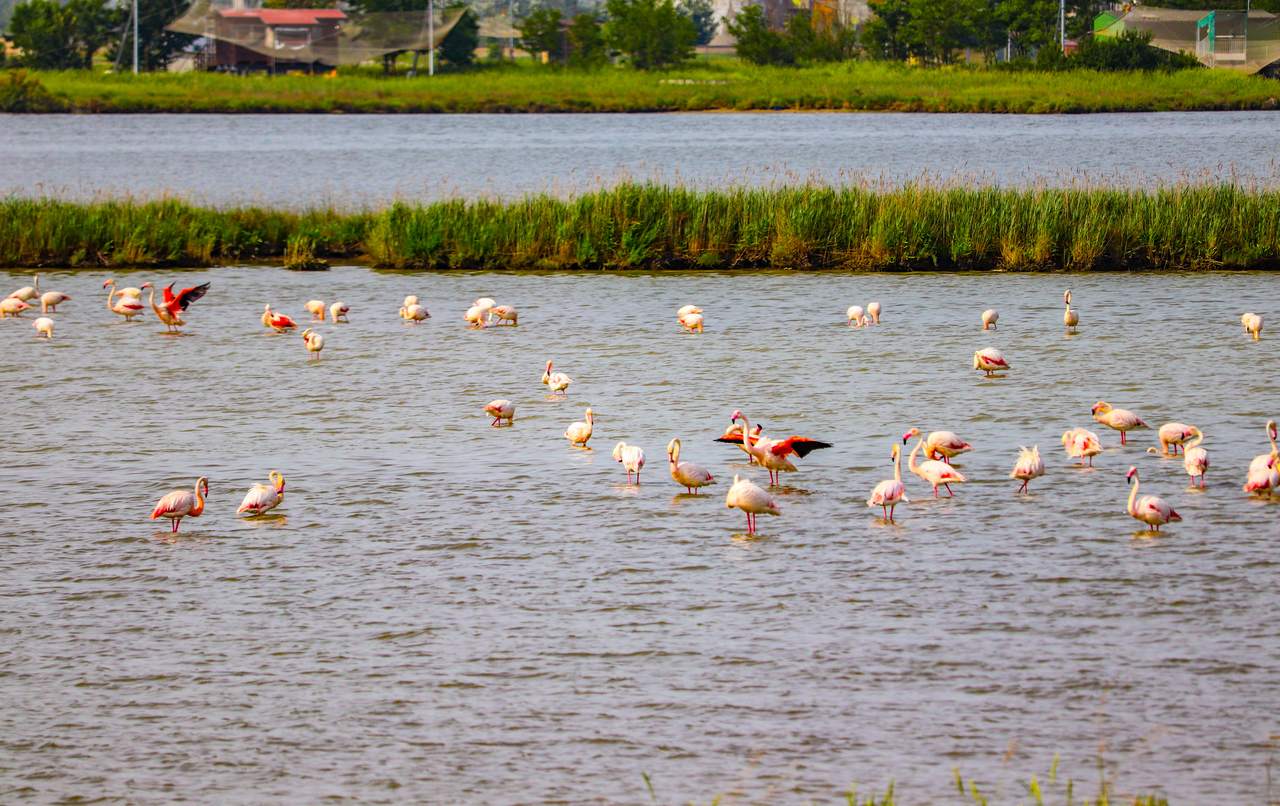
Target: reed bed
722, 84
647, 226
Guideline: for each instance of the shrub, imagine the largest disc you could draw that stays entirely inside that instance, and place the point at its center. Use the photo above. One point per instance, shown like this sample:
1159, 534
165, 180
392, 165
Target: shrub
20, 92
756, 43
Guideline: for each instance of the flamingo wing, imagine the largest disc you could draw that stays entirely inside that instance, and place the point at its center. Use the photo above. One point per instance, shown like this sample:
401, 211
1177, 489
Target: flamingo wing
185, 297
178, 502
801, 446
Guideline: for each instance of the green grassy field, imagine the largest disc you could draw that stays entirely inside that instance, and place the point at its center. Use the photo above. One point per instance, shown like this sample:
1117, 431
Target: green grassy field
919, 226
721, 84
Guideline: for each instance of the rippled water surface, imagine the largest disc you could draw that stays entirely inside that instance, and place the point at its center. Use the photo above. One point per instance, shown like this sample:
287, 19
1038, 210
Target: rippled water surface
302, 160
444, 611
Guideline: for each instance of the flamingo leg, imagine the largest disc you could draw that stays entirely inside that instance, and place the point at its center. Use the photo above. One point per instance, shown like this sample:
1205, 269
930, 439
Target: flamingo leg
935, 491
173, 523
1122, 440
949, 493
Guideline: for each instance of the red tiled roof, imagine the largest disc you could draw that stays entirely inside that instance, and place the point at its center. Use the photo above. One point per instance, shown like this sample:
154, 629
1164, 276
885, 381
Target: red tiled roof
285, 16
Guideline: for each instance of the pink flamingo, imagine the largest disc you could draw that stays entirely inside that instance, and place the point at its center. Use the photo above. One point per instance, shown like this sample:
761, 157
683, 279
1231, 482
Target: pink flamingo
889, 492
181, 504
1152, 510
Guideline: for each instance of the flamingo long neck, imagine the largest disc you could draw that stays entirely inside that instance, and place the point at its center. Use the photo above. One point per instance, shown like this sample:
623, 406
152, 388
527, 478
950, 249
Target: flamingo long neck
675, 453
1271, 435
199, 507
912, 463
1193, 443
754, 450
111, 292
151, 300
1133, 495
897, 465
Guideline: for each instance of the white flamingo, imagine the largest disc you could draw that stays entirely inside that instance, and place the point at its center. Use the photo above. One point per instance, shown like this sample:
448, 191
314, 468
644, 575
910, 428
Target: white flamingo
1070, 318
873, 310
338, 312
1121, 420
556, 381
631, 457
889, 492
28, 293
1252, 325
752, 500
1195, 459
856, 316
989, 318
414, 313
475, 317
1264, 470
938, 474
579, 433
505, 313
12, 306
128, 305
1028, 466
44, 327
690, 318
316, 308
1082, 444
688, 475
50, 300
1152, 510
314, 343
501, 409
263, 497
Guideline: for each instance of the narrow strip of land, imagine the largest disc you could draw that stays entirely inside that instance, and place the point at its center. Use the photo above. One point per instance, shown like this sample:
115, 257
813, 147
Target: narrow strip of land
658, 227
850, 86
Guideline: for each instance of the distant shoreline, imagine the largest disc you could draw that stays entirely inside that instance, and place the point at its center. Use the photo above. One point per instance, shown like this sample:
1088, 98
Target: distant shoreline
642, 227
708, 88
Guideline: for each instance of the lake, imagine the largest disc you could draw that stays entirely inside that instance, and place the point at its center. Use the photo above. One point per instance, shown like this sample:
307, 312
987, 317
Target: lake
444, 611
358, 160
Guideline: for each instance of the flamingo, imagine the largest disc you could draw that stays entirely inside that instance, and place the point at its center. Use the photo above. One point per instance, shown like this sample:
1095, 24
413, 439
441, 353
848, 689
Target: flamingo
1171, 435
316, 308
505, 313
129, 305
411, 299
687, 474
1264, 470
579, 433
12, 306
556, 381
1121, 420
1195, 460
733, 435
989, 360
181, 504
263, 498
631, 457
338, 312
314, 343
690, 318
475, 317
752, 500
989, 318
28, 292
1028, 466
873, 310
1081, 443
44, 327
1152, 510
762, 450
889, 492
938, 474
1252, 325
857, 318
485, 304
1070, 318
276, 320
501, 409
943, 445
170, 318
50, 300
794, 444
414, 313
183, 299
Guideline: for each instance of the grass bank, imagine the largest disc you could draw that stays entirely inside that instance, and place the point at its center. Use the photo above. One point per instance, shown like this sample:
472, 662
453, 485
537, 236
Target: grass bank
653, 227
708, 85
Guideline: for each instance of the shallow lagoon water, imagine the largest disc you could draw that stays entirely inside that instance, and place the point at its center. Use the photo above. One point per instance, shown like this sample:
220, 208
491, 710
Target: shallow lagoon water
357, 160
444, 611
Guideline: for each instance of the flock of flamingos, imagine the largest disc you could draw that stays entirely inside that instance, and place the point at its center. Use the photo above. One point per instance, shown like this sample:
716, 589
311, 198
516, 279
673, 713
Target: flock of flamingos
774, 455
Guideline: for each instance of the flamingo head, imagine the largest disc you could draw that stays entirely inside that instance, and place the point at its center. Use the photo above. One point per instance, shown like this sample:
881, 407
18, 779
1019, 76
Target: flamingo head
548, 366
277, 481
1131, 475
897, 451
203, 484
673, 447
914, 432
1271, 428
146, 285
107, 282
736, 416
1066, 296
306, 333
1101, 407
591, 416
617, 451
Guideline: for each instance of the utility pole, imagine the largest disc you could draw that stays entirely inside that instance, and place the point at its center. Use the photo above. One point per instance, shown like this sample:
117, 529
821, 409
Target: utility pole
511, 20
135, 37
1062, 26
431, 37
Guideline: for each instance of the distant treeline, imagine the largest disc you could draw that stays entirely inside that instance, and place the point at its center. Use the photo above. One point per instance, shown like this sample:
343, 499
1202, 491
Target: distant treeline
919, 226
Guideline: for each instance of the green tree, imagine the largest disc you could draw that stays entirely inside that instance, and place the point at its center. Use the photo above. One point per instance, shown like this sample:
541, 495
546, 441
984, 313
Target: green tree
369, 13
703, 15
458, 49
938, 28
58, 37
652, 33
755, 42
586, 43
156, 46
884, 36
541, 32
